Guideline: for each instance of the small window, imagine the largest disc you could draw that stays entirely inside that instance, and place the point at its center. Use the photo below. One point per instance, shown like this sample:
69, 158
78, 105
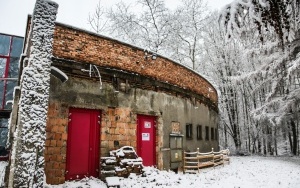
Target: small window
212, 133
206, 133
189, 131
199, 132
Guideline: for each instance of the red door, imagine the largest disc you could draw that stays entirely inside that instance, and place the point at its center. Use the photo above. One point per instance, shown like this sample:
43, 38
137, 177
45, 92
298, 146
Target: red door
83, 144
146, 139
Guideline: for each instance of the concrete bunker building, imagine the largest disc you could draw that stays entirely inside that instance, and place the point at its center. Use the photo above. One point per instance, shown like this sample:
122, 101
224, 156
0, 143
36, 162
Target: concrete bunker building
116, 95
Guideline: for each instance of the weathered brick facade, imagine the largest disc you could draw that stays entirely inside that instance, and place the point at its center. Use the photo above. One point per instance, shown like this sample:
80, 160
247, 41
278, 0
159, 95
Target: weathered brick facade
116, 124
56, 142
194, 102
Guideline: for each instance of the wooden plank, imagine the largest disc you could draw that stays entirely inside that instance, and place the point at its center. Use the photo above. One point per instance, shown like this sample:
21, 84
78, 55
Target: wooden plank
205, 156
191, 162
191, 166
205, 164
191, 158
218, 163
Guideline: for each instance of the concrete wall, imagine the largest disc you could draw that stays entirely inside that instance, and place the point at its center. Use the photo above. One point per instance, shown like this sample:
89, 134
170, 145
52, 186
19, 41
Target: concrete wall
118, 121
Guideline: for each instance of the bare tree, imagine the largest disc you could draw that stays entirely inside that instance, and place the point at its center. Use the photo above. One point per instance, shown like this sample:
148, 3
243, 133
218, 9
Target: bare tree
98, 20
148, 28
187, 28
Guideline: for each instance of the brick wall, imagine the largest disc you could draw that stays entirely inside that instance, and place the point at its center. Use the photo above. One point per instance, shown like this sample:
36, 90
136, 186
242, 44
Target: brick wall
82, 46
56, 143
117, 124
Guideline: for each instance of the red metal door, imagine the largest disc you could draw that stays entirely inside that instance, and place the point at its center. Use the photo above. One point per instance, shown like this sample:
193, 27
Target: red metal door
83, 144
146, 135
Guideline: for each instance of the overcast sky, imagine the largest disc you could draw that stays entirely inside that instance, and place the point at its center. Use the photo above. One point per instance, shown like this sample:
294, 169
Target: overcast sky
13, 13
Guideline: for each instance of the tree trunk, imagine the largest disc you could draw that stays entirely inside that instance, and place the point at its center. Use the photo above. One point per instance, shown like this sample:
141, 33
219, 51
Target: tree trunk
253, 147
294, 133
264, 142
291, 142
269, 141
275, 141
259, 145
298, 137
265, 147
225, 135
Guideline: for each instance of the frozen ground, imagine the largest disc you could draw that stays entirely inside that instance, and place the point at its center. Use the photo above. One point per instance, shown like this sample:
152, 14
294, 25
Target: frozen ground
243, 172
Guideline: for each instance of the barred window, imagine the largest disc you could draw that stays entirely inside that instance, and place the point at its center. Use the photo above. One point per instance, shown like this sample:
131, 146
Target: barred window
212, 133
199, 132
206, 133
189, 131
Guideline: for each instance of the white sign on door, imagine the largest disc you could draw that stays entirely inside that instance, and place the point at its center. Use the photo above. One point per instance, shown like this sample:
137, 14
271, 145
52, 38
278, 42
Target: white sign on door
145, 136
147, 125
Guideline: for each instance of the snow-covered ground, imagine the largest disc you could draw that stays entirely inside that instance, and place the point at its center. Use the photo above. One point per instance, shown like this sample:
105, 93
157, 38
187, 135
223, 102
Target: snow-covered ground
243, 172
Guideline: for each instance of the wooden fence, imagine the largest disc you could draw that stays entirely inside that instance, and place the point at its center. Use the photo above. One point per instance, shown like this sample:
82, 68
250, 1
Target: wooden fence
194, 161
